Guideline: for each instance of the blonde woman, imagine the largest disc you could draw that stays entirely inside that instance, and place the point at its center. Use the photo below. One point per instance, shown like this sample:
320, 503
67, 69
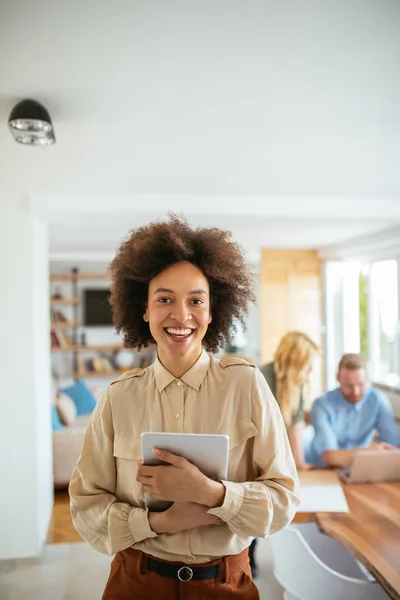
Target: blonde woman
287, 377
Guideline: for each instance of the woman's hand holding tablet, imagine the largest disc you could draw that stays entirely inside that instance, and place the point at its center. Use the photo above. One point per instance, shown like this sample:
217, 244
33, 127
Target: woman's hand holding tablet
183, 467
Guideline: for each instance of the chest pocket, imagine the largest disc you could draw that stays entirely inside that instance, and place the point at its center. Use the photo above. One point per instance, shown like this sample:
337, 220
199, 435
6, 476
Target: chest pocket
127, 447
240, 462
127, 452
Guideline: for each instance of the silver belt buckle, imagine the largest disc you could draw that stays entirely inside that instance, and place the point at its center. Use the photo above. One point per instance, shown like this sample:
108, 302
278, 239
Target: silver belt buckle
185, 574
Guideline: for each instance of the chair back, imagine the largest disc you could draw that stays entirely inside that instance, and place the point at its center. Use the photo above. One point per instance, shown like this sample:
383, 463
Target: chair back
299, 568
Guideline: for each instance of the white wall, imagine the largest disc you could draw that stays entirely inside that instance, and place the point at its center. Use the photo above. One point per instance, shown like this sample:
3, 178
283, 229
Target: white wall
41, 325
25, 439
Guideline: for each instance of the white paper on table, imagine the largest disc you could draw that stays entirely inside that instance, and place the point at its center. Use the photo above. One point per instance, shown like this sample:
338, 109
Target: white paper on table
322, 498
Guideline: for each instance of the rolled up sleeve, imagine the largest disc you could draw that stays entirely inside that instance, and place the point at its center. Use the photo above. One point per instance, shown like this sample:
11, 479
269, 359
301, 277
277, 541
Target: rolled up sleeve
261, 507
101, 519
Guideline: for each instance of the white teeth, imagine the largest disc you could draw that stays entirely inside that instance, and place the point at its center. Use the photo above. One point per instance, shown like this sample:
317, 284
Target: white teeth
182, 332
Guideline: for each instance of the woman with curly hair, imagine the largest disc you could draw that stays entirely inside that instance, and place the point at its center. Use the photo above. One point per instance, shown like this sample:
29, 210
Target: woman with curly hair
182, 288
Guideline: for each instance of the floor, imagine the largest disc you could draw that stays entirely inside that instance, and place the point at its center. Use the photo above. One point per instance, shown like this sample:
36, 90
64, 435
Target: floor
76, 572
70, 570
61, 530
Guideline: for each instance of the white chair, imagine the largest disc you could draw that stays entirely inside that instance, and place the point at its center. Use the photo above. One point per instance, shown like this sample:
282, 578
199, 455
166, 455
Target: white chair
312, 566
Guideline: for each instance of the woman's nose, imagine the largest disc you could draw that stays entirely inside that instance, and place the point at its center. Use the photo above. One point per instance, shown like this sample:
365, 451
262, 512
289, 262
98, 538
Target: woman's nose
181, 313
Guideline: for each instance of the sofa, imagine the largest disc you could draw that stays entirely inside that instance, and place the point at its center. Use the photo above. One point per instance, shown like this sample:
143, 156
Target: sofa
71, 411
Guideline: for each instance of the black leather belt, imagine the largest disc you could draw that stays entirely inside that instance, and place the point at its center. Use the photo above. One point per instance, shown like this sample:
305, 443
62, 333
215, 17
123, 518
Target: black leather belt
182, 572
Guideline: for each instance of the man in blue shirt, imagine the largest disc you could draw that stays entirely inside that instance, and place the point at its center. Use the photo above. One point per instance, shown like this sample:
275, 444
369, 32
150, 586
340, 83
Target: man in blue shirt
346, 418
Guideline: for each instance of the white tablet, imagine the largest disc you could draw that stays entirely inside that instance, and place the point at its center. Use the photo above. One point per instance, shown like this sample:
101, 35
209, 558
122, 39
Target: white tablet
209, 452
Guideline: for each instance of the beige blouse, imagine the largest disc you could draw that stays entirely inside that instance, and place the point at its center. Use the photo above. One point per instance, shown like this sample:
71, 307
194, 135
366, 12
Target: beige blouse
227, 396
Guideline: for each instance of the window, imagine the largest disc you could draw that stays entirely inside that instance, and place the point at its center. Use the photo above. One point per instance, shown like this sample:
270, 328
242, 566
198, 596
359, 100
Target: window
383, 320
341, 283
362, 315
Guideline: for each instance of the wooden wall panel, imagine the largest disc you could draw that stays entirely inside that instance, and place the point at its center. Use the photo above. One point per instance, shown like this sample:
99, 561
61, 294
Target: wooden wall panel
291, 298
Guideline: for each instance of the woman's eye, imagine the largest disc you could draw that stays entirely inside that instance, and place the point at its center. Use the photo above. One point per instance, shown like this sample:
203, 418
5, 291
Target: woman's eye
164, 300
197, 301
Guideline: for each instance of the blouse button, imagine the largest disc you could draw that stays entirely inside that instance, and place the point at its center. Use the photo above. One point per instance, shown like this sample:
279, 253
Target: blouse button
177, 417
179, 383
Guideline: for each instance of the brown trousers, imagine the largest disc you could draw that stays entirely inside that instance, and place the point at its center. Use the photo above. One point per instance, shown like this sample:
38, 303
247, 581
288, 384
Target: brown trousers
130, 580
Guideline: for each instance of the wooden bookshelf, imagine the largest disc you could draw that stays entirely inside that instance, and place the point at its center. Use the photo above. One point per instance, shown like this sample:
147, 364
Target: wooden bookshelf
82, 358
85, 374
65, 301
78, 276
77, 348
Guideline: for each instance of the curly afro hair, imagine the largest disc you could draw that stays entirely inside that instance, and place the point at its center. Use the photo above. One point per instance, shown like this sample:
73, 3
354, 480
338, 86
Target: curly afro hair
150, 249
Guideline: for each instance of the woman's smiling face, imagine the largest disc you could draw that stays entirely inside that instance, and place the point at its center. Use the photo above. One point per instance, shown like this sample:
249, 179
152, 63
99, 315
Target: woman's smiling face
178, 311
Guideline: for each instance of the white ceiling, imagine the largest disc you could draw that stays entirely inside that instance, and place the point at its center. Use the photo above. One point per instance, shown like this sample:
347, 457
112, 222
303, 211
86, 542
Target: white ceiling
99, 234
226, 103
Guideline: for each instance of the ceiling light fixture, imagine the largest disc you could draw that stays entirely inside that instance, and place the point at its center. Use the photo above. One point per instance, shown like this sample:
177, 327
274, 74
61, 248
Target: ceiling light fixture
31, 125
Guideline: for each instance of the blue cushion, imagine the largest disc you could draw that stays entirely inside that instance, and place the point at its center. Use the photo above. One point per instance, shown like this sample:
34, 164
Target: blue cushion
56, 424
83, 398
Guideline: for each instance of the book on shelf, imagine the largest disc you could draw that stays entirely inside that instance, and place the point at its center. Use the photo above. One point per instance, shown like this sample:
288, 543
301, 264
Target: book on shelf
55, 342
60, 339
65, 339
103, 365
56, 316
97, 364
88, 365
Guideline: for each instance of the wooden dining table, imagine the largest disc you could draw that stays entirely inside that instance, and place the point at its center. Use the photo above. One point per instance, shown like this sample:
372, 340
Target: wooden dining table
370, 530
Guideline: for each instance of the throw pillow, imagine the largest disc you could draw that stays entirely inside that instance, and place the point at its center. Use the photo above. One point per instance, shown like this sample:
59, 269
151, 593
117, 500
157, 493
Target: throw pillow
66, 409
82, 396
56, 424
